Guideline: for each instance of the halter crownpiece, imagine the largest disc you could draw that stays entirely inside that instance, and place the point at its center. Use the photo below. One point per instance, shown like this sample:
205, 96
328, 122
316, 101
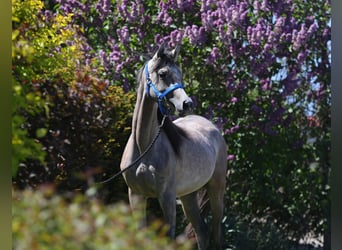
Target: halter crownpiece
160, 95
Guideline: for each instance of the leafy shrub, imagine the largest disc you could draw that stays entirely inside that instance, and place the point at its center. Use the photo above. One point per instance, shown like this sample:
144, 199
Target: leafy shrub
88, 125
64, 115
38, 55
44, 220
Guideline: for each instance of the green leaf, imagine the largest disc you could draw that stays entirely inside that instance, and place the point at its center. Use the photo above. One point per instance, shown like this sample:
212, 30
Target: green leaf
41, 132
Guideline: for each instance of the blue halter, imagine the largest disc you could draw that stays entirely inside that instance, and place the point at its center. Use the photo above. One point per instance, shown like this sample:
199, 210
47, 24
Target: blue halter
160, 95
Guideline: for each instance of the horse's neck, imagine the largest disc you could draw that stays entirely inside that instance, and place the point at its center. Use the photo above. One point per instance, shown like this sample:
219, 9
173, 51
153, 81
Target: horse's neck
145, 122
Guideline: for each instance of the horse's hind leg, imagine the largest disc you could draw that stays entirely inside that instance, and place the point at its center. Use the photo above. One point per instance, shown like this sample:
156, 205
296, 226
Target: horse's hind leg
192, 212
215, 188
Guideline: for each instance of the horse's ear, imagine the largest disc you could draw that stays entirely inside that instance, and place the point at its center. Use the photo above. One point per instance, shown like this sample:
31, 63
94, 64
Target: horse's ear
175, 52
163, 52
162, 49
160, 52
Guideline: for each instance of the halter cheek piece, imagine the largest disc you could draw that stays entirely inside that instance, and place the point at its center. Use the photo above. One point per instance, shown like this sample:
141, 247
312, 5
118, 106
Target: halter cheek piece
160, 95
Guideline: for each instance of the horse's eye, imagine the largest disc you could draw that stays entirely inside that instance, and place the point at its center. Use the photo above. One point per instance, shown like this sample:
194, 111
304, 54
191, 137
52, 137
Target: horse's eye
162, 73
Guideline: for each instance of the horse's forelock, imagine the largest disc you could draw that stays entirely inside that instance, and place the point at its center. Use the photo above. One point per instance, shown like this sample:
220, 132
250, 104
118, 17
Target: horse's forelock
163, 56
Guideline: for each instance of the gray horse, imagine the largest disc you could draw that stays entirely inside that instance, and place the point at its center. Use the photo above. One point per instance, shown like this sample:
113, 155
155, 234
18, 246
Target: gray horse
189, 153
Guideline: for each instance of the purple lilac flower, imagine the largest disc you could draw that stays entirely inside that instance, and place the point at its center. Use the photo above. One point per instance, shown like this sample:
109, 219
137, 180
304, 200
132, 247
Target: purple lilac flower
123, 35
103, 8
115, 56
134, 11
163, 16
255, 34
299, 38
182, 5
230, 157
265, 84
207, 5
234, 100
119, 68
103, 58
232, 130
301, 57
267, 47
159, 39
256, 6
312, 29
131, 11
176, 37
264, 6
48, 15
280, 23
195, 34
214, 56
207, 20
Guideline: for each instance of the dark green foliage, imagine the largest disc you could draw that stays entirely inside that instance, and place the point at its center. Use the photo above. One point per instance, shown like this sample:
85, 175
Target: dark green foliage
88, 125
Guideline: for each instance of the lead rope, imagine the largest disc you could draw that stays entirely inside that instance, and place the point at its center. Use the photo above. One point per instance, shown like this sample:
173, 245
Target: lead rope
140, 157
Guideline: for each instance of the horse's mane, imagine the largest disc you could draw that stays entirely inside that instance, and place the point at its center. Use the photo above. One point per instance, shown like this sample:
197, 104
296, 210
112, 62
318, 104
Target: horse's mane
174, 133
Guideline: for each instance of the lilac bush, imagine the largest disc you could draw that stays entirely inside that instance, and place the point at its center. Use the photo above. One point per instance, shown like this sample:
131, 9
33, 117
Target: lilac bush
258, 68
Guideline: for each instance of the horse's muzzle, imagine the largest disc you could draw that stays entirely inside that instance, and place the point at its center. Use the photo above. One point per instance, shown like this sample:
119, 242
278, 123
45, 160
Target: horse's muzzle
187, 107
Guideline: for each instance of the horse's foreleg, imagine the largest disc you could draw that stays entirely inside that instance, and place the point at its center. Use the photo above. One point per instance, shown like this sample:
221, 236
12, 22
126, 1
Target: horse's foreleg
138, 205
192, 212
167, 201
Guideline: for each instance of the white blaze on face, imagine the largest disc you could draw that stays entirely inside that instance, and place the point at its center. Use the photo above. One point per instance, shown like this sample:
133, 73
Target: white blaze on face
179, 98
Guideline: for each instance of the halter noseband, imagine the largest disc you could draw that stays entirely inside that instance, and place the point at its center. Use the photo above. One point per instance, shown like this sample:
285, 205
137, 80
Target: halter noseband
160, 95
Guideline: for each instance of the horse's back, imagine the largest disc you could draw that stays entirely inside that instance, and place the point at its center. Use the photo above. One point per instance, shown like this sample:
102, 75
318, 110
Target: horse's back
199, 128
193, 119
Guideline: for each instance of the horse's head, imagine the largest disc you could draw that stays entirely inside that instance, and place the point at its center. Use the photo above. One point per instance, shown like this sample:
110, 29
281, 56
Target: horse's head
164, 82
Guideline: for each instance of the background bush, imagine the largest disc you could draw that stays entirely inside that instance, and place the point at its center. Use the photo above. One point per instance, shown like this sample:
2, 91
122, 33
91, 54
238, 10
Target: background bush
69, 125
260, 70
43, 220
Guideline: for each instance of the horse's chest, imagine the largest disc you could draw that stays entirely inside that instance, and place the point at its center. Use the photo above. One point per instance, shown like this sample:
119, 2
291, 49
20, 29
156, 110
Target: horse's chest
146, 179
